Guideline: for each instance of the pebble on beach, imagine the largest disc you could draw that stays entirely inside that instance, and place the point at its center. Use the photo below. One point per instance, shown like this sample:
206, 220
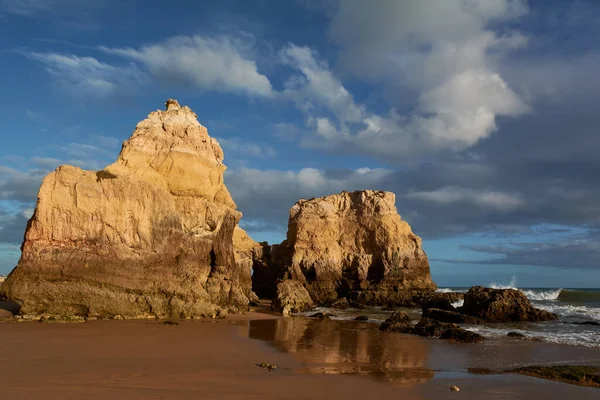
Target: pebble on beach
454, 388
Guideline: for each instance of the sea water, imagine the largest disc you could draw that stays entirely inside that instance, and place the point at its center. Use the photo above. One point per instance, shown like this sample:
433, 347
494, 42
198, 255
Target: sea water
573, 306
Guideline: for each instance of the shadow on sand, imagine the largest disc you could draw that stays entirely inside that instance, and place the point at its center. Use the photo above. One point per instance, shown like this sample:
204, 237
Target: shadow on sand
8, 307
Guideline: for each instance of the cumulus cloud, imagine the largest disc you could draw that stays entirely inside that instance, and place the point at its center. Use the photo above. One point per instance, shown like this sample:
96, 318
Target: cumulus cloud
582, 253
265, 196
86, 76
222, 64
20, 186
12, 225
486, 199
455, 115
445, 51
375, 36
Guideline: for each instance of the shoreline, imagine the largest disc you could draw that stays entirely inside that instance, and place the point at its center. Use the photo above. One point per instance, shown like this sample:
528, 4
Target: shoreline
137, 359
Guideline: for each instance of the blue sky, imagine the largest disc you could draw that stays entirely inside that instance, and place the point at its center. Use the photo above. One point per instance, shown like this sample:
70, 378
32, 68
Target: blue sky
480, 115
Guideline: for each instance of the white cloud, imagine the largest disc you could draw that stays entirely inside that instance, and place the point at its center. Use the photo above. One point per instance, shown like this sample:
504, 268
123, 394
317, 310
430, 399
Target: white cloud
442, 49
222, 64
265, 196
85, 76
498, 201
372, 32
258, 186
317, 86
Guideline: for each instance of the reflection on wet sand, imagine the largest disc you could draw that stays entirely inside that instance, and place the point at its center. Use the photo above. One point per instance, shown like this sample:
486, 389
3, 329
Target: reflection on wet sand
342, 347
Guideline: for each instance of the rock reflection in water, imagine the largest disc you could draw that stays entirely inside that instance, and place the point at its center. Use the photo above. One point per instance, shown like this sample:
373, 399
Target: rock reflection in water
345, 347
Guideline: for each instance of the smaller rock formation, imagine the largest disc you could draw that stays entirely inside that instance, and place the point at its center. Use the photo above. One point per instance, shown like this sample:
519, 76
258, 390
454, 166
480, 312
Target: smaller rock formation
353, 245
399, 321
502, 305
322, 315
427, 327
442, 301
292, 297
341, 304
461, 335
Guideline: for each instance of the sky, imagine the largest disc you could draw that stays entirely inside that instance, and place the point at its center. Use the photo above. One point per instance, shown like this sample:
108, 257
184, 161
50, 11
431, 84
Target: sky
480, 115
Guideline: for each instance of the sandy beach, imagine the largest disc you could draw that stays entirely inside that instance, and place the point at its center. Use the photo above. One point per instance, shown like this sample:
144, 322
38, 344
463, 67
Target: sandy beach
217, 360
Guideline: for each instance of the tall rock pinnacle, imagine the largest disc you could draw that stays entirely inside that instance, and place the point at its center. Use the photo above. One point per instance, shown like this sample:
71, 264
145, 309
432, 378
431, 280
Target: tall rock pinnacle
150, 235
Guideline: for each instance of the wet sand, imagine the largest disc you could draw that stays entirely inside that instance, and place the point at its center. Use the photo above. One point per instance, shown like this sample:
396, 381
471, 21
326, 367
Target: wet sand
217, 360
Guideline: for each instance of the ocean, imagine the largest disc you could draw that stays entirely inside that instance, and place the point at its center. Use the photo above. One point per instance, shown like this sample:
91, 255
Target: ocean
573, 307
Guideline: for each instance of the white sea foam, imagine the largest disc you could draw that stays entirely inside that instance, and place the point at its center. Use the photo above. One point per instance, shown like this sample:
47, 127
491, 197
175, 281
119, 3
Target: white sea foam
542, 295
511, 285
569, 311
448, 290
579, 337
458, 303
531, 294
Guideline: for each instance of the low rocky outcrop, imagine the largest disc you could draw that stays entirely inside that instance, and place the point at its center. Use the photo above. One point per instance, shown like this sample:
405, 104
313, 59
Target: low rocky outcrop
292, 297
450, 316
461, 335
341, 304
402, 298
502, 305
354, 245
148, 236
400, 322
431, 328
441, 301
322, 315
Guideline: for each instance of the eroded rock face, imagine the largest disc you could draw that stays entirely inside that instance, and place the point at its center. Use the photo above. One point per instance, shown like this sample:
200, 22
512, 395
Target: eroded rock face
350, 243
502, 305
246, 251
292, 297
150, 235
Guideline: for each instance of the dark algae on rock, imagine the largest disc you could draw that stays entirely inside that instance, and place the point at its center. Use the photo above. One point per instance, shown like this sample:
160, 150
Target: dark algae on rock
575, 374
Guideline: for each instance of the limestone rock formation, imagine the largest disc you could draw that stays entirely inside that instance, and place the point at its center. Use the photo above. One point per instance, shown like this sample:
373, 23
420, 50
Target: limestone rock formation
246, 251
502, 305
150, 235
292, 297
349, 243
